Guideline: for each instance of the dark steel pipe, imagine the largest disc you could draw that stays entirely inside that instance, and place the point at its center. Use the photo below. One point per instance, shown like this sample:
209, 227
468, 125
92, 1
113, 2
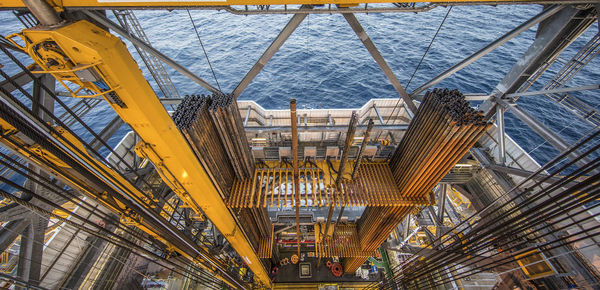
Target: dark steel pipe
555, 186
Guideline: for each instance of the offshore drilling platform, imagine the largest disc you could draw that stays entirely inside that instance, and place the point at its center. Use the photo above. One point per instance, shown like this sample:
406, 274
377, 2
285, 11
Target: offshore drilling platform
422, 191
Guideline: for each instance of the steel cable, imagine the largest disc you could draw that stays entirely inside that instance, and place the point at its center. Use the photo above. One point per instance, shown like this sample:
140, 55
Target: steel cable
556, 159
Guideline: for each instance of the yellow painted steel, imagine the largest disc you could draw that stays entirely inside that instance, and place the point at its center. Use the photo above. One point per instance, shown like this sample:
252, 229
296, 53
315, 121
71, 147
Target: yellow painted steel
111, 68
534, 264
198, 3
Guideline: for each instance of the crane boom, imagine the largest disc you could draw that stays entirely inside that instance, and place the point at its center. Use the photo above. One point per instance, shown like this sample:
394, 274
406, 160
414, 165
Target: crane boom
83, 54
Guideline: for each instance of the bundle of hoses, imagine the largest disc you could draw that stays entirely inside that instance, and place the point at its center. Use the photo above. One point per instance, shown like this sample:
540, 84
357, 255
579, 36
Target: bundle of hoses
443, 130
214, 129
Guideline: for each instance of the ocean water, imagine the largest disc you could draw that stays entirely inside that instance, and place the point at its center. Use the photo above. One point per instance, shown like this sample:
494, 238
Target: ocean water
324, 64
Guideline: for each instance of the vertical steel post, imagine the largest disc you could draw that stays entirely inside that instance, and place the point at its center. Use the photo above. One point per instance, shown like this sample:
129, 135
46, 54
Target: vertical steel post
362, 147
340, 176
501, 140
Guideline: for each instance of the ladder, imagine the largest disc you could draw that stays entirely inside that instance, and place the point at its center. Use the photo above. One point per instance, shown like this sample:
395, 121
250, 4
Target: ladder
129, 22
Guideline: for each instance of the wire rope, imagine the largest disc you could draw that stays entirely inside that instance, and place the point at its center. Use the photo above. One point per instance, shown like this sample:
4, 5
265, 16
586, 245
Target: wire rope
203, 49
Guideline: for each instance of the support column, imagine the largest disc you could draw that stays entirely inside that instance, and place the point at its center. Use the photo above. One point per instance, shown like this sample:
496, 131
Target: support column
31, 250
442, 202
11, 231
42, 98
501, 140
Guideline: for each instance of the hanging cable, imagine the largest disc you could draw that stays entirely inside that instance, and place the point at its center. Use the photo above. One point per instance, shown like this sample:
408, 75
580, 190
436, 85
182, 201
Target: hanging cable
418, 65
202, 45
428, 47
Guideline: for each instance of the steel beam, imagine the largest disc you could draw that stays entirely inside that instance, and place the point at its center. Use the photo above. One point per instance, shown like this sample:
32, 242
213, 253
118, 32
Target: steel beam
452, 213
147, 47
488, 48
553, 139
554, 91
504, 183
21, 79
108, 131
223, 5
553, 36
11, 231
333, 128
525, 173
330, 10
442, 202
370, 46
271, 50
549, 42
31, 250
379, 115
501, 135
365, 141
42, 97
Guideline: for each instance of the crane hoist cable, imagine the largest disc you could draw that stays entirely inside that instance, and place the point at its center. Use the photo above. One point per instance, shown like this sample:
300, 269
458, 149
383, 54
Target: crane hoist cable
203, 49
428, 47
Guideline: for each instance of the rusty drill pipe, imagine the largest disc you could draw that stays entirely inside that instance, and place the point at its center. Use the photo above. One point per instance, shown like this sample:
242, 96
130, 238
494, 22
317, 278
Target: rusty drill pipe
340, 176
293, 120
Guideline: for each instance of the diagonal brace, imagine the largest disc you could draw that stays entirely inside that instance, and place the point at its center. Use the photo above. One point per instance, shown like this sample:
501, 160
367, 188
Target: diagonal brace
370, 46
271, 50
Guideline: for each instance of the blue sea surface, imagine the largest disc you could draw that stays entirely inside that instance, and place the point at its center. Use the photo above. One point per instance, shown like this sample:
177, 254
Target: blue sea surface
324, 64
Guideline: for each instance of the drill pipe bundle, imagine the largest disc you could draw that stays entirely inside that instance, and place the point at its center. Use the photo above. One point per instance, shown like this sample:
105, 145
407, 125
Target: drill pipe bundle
442, 131
213, 127
226, 117
194, 121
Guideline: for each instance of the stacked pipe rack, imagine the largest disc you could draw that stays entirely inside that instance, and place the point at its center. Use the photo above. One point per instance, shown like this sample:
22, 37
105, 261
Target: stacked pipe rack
441, 133
443, 130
